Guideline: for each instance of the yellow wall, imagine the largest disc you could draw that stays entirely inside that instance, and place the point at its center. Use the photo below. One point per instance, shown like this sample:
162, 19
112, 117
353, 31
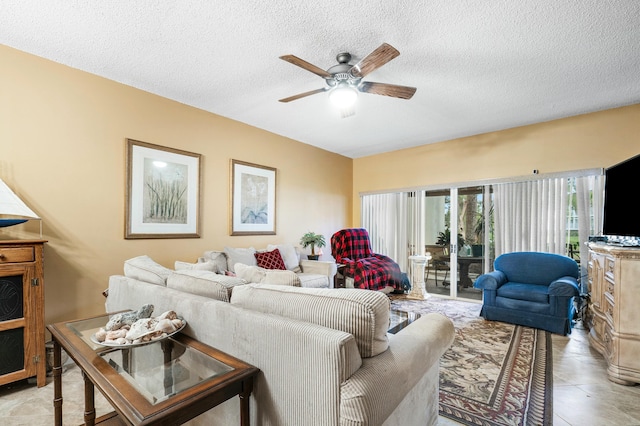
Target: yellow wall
587, 141
62, 144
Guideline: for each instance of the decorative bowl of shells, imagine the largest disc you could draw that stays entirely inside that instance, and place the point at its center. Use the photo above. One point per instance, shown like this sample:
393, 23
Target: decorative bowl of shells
138, 328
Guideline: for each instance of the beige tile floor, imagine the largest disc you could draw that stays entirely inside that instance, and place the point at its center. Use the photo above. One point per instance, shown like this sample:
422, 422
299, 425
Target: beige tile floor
582, 395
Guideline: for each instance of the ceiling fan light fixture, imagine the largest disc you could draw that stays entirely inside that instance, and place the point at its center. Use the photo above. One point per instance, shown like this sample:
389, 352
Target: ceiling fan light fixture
343, 95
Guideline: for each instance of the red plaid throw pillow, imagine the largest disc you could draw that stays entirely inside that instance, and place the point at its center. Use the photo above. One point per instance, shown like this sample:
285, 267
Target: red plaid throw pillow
270, 260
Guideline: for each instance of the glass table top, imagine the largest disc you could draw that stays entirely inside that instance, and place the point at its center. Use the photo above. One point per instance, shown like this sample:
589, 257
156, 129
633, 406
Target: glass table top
157, 370
400, 319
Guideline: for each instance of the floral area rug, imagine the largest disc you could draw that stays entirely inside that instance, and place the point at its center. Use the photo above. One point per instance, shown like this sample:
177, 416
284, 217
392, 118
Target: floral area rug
494, 373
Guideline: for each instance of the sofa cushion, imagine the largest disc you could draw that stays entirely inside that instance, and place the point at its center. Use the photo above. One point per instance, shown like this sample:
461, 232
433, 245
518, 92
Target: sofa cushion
255, 274
313, 280
281, 277
240, 255
520, 291
143, 268
289, 255
208, 265
270, 260
204, 283
364, 314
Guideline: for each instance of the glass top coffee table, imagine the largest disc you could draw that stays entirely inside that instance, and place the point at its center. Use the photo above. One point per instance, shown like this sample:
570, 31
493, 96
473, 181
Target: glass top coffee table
169, 381
400, 319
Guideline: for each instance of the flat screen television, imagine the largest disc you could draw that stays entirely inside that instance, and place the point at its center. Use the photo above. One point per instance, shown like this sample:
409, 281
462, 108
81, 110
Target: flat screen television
621, 215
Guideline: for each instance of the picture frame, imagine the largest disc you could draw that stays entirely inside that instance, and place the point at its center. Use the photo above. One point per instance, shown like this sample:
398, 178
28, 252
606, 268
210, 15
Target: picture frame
253, 199
162, 192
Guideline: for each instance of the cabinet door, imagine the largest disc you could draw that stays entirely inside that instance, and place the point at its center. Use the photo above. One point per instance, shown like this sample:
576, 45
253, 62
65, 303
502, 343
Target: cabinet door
17, 329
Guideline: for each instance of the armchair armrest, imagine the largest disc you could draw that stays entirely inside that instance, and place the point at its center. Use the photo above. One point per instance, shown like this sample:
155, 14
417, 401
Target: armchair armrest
491, 280
318, 267
565, 286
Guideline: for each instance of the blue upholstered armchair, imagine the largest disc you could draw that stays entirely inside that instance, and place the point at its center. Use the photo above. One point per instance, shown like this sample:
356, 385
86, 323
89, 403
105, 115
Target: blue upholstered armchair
531, 289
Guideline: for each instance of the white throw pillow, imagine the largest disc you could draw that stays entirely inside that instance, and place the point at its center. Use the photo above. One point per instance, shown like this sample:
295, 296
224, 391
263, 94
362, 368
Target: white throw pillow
240, 255
251, 274
289, 255
218, 257
143, 268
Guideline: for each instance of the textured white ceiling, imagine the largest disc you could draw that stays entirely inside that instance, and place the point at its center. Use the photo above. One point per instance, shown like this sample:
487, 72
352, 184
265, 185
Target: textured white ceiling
479, 66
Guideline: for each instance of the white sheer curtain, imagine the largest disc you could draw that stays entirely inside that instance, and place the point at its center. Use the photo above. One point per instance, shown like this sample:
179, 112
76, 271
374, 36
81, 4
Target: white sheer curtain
385, 217
589, 205
534, 215
531, 216
395, 223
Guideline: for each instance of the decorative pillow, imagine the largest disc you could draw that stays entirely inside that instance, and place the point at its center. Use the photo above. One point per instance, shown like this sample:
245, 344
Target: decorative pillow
251, 274
240, 255
143, 268
363, 313
218, 257
289, 255
208, 265
270, 260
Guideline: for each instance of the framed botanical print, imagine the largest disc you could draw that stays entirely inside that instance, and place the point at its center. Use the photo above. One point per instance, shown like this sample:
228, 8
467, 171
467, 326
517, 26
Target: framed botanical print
253, 199
162, 192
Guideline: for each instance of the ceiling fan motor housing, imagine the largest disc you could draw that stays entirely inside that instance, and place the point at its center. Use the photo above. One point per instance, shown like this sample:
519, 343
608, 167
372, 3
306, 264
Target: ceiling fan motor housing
341, 73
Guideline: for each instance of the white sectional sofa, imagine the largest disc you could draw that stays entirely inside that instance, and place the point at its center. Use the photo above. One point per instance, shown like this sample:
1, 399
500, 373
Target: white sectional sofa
324, 355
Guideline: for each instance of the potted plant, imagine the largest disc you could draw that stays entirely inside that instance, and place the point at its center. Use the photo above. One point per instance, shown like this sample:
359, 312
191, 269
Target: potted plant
444, 238
314, 240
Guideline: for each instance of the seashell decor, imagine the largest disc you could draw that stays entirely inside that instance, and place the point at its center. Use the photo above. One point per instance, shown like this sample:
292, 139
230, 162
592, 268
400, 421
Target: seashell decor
139, 326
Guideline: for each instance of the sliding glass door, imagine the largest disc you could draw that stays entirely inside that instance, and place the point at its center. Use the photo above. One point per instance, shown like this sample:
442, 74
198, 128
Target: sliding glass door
456, 239
437, 214
475, 226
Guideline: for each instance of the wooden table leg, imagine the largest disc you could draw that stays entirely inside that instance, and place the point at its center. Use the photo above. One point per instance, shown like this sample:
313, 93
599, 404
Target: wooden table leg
57, 383
247, 388
465, 281
89, 402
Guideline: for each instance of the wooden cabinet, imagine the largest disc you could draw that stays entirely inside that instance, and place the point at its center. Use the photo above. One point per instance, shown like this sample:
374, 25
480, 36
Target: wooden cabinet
614, 309
22, 346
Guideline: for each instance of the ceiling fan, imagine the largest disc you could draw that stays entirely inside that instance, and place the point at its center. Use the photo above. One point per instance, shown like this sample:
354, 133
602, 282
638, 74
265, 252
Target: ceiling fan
344, 80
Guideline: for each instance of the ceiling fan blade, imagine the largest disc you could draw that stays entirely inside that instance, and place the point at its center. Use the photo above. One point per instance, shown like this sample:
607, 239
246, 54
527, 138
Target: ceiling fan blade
302, 95
374, 60
393, 90
306, 65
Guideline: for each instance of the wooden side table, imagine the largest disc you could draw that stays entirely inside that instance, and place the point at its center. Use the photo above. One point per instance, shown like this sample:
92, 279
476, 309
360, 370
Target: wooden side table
165, 382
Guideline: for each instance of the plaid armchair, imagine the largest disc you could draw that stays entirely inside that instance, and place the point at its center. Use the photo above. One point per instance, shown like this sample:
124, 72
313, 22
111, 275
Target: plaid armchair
352, 250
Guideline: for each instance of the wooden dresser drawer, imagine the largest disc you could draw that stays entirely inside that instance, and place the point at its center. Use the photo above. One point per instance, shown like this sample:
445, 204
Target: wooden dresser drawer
16, 254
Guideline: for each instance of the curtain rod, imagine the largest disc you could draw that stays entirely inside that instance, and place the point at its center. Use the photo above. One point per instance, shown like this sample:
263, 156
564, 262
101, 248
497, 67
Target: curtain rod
491, 181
